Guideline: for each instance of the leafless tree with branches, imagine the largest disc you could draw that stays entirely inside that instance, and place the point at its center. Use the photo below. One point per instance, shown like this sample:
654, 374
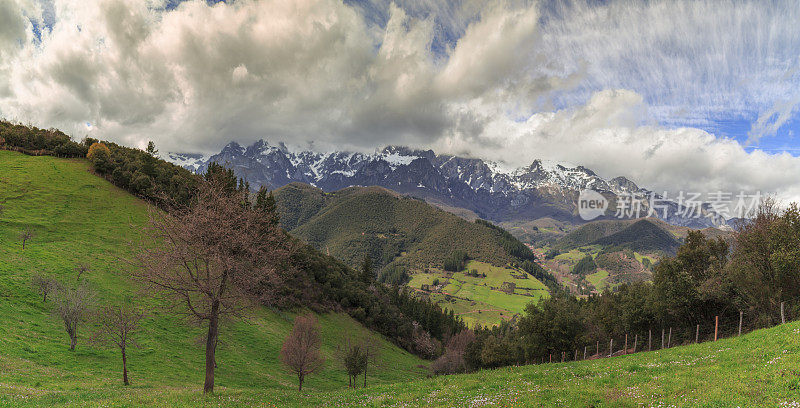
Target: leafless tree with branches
371, 349
44, 285
214, 257
117, 325
82, 268
73, 306
300, 351
26, 235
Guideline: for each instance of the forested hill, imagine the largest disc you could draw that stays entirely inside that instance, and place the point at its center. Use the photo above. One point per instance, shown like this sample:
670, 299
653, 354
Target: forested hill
321, 282
643, 235
394, 230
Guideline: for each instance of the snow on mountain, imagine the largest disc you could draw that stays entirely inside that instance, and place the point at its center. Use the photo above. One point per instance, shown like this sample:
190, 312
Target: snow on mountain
189, 161
493, 190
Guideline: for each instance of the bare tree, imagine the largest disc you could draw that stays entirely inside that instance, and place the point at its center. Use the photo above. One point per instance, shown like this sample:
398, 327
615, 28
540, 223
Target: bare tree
82, 268
300, 351
117, 325
214, 257
453, 361
44, 285
371, 350
26, 235
72, 305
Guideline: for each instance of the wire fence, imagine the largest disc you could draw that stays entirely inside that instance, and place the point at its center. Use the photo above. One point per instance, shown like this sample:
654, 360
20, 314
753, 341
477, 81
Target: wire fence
726, 325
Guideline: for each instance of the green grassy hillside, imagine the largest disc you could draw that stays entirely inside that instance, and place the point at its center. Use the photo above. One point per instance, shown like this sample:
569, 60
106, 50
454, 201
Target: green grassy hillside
477, 296
79, 217
410, 234
757, 369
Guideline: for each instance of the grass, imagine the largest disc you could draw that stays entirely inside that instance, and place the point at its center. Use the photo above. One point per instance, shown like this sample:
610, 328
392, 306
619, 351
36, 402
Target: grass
79, 217
574, 255
481, 300
598, 279
758, 369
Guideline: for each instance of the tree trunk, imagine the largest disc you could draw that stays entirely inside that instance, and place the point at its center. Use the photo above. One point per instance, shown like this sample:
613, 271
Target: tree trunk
124, 368
73, 338
365, 375
216, 342
211, 343
300, 381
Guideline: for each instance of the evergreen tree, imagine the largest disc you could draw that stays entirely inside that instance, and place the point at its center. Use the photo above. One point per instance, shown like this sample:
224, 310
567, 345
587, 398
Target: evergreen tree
366, 269
151, 148
265, 202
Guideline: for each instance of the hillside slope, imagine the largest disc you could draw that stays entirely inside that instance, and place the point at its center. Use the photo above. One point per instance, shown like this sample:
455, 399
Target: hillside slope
757, 369
391, 228
79, 217
642, 236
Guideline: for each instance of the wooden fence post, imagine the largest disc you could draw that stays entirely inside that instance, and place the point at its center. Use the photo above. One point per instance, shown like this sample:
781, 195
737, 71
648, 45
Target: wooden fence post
716, 327
669, 339
584, 352
626, 344
576, 355
783, 317
697, 334
635, 342
650, 340
741, 313
611, 348
598, 348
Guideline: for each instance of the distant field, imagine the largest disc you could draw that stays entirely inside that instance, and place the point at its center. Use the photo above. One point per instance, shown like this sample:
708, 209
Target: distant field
598, 279
485, 303
79, 217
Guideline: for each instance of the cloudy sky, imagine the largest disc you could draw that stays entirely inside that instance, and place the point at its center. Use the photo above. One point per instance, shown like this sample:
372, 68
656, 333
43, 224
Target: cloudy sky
696, 96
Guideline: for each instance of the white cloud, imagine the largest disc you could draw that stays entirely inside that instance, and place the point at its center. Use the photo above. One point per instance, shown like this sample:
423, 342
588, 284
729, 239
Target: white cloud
604, 135
320, 71
692, 61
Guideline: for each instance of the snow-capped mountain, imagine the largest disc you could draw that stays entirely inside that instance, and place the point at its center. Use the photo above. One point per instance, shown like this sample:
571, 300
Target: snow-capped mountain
492, 191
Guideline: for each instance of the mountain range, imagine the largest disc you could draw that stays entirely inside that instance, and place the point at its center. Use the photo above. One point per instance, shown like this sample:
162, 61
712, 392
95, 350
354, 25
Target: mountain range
470, 187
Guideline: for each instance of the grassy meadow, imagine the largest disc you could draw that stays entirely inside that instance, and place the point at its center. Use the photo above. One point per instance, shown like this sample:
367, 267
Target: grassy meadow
478, 299
758, 369
79, 217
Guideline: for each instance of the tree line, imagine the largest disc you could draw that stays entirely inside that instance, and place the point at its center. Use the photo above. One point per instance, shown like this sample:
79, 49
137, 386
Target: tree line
708, 280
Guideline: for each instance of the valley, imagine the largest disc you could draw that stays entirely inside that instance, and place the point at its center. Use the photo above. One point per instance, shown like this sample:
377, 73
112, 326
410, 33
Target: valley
380, 203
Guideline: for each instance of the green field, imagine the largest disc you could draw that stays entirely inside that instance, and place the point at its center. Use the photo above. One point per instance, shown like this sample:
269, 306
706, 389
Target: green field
79, 217
758, 369
479, 300
598, 279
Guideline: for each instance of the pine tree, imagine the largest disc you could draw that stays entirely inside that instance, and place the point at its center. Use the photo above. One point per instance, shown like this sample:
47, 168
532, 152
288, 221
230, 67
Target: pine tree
366, 269
151, 148
265, 202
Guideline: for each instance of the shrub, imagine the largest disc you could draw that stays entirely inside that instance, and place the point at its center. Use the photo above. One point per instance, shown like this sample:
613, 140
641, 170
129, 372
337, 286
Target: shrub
99, 155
